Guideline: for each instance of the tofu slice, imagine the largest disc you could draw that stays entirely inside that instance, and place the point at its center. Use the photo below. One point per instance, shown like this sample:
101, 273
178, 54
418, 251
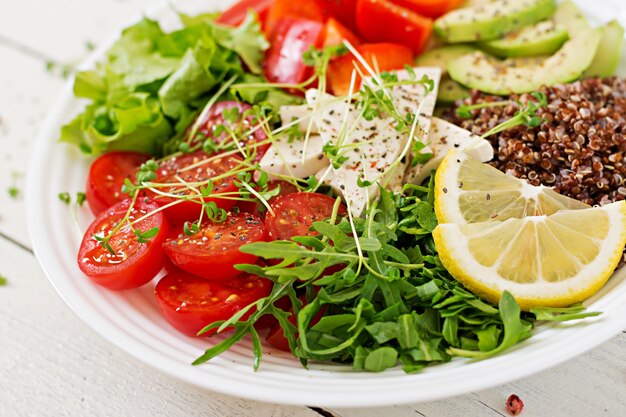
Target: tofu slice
370, 147
285, 158
444, 136
411, 99
300, 112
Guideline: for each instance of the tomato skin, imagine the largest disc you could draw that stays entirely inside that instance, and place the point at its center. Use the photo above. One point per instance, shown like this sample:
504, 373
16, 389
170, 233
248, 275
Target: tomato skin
212, 252
235, 15
190, 303
389, 57
256, 209
290, 39
342, 10
295, 213
106, 178
139, 263
188, 210
383, 21
301, 9
429, 8
336, 33
215, 117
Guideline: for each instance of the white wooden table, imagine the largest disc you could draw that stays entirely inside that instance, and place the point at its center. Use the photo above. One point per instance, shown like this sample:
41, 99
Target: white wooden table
51, 364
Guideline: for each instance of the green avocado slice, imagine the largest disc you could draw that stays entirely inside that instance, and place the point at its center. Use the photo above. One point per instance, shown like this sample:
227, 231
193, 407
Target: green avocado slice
449, 90
571, 18
609, 52
492, 20
521, 75
543, 38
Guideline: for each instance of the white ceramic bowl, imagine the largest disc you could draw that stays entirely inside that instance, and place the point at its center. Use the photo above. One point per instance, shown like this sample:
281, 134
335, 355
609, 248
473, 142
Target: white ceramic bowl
131, 320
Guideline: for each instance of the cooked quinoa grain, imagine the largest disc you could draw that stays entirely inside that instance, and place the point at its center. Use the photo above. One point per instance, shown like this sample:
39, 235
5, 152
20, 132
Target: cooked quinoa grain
579, 149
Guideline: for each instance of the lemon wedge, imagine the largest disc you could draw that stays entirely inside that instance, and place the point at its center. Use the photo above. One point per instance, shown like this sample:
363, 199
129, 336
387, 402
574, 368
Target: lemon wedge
468, 191
550, 261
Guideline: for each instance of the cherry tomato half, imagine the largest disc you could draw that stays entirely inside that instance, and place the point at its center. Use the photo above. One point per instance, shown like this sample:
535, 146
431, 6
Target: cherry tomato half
429, 8
106, 178
134, 263
301, 9
214, 249
289, 40
388, 56
383, 21
190, 303
192, 170
295, 213
259, 209
336, 33
215, 118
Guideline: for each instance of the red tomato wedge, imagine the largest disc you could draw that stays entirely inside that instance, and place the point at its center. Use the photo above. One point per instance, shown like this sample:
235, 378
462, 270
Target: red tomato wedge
429, 8
214, 249
383, 21
295, 213
134, 263
290, 39
235, 15
301, 9
190, 303
388, 56
336, 33
192, 169
258, 209
241, 125
342, 10
106, 178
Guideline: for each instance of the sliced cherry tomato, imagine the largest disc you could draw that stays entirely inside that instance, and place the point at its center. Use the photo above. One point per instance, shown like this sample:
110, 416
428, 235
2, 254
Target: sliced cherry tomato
295, 213
383, 21
215, 118
429, 8
290, 39
388, 56
258, 209
235, 15
178, 166
190, 303
336, 33
301, 9
134, 263
106, 178
342, 10
214, 249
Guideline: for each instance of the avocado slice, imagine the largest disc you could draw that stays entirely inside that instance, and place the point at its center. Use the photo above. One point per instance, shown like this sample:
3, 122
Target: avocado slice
449, 90
492, 20
571, 18
521, 75
609, 52
543, 38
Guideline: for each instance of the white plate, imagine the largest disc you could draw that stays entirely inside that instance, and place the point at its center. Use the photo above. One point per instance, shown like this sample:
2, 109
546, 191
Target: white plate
131, 320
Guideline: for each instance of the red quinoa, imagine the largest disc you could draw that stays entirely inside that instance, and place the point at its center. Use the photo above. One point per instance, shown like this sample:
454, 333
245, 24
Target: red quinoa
579, 149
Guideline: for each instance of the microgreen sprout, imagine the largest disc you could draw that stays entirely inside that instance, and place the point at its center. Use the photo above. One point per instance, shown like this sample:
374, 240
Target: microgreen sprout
525, 116
3, 281
65, 197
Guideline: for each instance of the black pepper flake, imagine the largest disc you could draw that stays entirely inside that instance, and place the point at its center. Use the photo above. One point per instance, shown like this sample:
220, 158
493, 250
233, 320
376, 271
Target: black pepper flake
445, 190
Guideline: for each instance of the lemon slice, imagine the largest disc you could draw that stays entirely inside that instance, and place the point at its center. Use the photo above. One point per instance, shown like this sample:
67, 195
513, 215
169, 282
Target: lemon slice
551, 261
468, 191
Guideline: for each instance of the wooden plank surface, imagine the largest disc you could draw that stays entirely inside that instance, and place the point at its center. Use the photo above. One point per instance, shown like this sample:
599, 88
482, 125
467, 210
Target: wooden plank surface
51, 364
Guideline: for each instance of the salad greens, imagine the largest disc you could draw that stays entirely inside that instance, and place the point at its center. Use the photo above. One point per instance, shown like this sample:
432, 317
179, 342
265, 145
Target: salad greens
389, 298
152, 84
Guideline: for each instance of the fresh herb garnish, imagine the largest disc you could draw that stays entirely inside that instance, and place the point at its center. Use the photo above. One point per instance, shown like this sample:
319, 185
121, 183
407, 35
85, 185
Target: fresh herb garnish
3, 281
